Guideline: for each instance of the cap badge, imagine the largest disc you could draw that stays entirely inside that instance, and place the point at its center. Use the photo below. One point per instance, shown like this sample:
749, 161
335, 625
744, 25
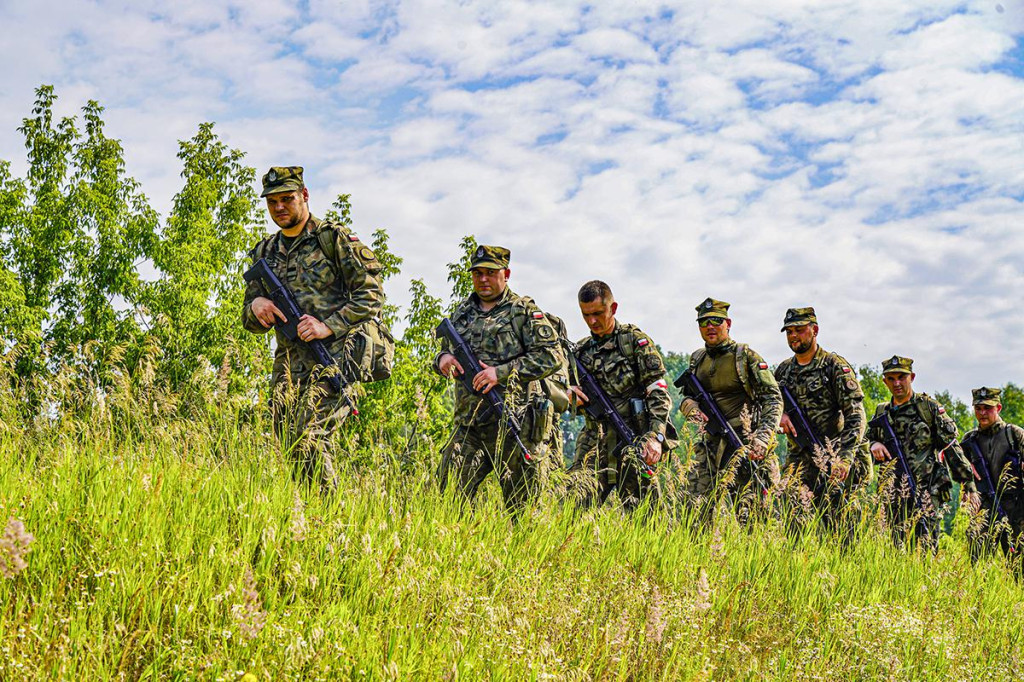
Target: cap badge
272, 176
480, 252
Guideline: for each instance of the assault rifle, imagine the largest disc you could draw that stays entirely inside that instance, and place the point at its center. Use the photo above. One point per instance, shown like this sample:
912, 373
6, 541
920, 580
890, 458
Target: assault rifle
978, 460
284, 300
600, 407
717, 424
806, 435
892, 443
495, 398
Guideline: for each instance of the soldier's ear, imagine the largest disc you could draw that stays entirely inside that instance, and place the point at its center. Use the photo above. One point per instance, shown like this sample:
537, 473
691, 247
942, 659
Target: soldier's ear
999, 408
614, 306
508, 273
305, 195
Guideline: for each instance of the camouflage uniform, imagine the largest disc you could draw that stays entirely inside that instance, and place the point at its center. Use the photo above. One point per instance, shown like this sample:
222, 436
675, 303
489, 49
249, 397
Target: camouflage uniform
1001, 445
627, 366
517, 339
556, 387
737, 378
345, 295
828, 393
928, 437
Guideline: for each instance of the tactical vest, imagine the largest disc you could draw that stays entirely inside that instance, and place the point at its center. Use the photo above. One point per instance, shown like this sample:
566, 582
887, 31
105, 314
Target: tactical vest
742, 367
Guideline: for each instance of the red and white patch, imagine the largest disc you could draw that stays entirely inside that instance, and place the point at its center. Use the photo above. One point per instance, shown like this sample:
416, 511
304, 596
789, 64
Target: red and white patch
942, 410
660, 383
353, 238
538, 315
642, 342
846, 370
762, 365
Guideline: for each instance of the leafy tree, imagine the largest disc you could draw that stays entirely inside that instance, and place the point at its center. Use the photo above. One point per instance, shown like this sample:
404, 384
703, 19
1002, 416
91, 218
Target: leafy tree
458, 272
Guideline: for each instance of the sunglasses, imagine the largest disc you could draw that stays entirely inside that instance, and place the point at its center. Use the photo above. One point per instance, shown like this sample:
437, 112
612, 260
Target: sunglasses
711, 322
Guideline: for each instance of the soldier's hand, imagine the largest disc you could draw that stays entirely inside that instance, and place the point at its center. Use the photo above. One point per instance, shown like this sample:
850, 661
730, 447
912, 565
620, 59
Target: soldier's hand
787, 426
756, 450
880, 452
449, 366
652, 451
577, 398
696, 415
266, 312
486, 379
311, 329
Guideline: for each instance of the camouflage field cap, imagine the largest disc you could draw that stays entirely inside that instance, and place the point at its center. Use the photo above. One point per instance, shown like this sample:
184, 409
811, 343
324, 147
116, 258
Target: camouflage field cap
282, 179
709, 307
898, 365
987, 396
493, 257
798, 317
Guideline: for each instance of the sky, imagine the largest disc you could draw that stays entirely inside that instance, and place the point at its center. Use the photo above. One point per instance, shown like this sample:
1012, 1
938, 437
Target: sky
859, 156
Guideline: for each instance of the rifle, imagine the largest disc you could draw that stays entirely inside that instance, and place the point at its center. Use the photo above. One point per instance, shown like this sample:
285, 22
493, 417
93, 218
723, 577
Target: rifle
806, 435
892, 443
284, 300
470, 368
978, 460
600, 407
717, 424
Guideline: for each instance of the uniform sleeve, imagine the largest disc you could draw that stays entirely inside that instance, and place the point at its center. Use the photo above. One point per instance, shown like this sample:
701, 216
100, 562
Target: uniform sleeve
946, 441
651, 369
767, 397
252, 290
542, 356
851, 404
359, 269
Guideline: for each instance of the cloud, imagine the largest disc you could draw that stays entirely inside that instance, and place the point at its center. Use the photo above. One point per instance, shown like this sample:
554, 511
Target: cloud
858, 156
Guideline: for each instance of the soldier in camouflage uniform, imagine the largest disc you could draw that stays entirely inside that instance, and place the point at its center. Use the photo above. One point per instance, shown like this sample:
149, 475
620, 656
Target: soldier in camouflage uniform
517, 347
928, 437
1000, 446
626, 364
556, 388
739, 381
335, 280
827, 391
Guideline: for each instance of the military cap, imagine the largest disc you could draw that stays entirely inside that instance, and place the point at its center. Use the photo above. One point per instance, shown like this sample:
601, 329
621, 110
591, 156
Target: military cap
282, 179
709, 307
492, 257
987, 396
798, 317
898, 365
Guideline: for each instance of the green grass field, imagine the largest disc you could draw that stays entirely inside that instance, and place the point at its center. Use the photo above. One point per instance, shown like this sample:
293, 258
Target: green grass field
182, 549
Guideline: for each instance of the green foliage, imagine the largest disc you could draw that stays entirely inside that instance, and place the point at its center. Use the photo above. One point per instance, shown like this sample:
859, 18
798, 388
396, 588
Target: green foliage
875, 391
194, 306
958, 410
458, 272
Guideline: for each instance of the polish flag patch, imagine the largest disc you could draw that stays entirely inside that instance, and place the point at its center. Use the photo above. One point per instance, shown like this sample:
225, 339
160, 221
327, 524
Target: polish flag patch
846, 370
642, 342
942, 410
353, 238
762, 365
538, 315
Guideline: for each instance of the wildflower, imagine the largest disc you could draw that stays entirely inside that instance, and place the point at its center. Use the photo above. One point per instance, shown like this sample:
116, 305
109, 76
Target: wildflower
14, 545
703, 588
298, 524
249, 615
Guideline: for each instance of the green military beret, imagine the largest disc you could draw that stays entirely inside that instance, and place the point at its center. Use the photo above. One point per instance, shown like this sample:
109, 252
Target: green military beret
282, 179
798, 317
987, 396
492, 257
898, 365
709, 307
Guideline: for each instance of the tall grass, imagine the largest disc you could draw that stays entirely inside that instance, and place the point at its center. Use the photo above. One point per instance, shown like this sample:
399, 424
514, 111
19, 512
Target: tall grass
170, 542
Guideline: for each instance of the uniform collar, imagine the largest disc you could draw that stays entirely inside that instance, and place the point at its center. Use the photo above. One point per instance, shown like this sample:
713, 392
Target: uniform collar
506, 296
610, 335
720, 349
995, 428
819, 357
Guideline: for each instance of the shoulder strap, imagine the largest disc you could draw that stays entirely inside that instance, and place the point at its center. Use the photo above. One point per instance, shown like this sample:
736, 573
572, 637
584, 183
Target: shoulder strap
743, 369
327, 235
697, 357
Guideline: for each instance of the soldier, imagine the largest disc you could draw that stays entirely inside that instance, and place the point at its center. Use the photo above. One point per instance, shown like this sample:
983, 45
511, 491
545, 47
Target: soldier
628, 367
335, 280
827, 391
997, 446
740, 383
517, 347
928, 437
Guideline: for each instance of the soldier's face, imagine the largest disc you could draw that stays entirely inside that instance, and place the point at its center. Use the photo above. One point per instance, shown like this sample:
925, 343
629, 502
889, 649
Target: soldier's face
289, 209
898, 384
489, 284
801, 339
987, 415
715, 333
599, 316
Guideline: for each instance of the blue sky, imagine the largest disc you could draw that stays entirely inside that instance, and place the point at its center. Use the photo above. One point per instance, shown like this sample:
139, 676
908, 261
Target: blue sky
859, 156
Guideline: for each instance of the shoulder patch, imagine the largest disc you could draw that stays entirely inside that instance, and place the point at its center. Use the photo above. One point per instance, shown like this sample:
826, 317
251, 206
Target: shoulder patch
538, 315
851, 384
352, 237
942, 410
642, 342
762, 365
846, 370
